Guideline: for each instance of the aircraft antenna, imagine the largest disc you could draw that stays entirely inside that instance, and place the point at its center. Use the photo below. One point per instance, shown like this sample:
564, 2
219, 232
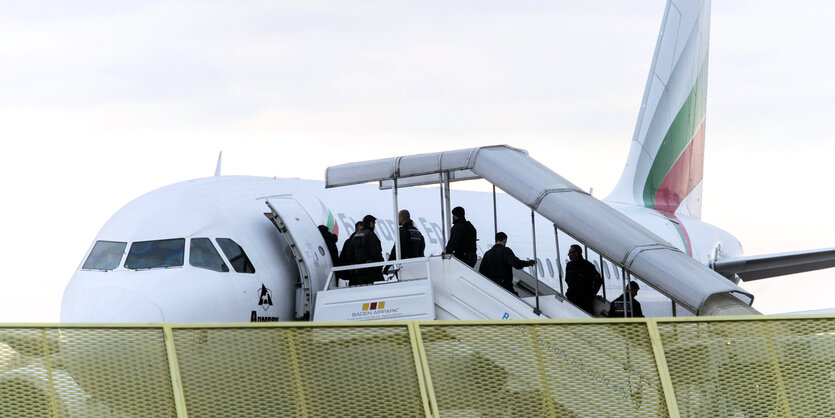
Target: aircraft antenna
217, 169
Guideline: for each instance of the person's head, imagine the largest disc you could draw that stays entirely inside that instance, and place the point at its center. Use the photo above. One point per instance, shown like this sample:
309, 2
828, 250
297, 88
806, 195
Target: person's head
403, 216
633, 287
369, 221
323, 229
575, 252
358, 226
457, 212
501, 238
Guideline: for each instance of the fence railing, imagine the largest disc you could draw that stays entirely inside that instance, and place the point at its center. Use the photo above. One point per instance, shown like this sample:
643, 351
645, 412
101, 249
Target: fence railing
733, 366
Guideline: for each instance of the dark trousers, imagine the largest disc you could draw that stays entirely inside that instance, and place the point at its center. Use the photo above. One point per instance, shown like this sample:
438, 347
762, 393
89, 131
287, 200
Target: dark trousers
583, 302
369, 275
508, 285
468, 258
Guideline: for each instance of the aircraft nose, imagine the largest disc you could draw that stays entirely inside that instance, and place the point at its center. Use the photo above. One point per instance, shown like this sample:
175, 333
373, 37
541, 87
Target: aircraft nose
110, 304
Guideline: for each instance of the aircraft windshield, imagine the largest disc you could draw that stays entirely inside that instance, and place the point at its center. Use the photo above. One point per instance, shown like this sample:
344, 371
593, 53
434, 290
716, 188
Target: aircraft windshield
202, 254
236, 255
156, 254
105, 255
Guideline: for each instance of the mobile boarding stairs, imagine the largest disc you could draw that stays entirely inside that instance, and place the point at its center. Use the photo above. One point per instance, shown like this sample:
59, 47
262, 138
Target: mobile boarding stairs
439, 287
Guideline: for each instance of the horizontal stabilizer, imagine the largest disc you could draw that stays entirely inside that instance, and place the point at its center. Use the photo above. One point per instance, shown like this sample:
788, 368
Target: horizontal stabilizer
772, 265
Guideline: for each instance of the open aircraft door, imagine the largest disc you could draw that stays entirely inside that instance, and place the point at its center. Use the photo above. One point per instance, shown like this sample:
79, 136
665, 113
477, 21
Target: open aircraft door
308, 248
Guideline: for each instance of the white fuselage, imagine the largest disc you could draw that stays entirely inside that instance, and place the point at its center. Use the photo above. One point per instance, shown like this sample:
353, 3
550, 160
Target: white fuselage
234, 208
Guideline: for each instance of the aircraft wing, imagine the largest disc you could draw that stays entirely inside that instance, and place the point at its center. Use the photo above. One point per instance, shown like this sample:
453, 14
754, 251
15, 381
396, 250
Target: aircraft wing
771, 265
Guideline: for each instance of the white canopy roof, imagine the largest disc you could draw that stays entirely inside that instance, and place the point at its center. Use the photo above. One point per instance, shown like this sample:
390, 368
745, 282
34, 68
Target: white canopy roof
410, 170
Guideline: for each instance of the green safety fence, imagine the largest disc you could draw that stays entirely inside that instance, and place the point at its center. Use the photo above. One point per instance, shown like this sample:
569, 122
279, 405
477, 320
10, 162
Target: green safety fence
732, 366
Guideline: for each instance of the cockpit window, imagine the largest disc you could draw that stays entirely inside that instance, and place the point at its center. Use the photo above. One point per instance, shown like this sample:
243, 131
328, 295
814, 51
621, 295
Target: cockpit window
236, 255
105, 255
203, 254
156, 254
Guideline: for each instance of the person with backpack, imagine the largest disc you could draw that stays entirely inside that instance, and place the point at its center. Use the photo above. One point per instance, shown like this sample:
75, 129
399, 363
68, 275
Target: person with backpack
412, 243
346, 258
366, 248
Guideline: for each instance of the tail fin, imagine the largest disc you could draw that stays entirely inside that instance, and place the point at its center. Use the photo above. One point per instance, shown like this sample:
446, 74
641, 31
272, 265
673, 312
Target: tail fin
666, 159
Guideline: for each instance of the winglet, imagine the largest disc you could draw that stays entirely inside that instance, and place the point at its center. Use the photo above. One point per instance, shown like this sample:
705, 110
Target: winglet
217, 169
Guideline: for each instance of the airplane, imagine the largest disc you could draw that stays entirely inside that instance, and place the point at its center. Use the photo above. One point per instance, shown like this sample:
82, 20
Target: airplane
204, 251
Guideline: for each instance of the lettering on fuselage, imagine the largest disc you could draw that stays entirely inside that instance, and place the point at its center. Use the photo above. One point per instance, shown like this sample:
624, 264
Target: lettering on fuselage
386, 228
347, 223
254, 317
383, 227
430, 234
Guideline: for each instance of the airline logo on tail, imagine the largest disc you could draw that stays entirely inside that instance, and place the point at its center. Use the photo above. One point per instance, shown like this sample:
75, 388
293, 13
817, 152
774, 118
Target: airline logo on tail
678, 166
679, 163
666, 159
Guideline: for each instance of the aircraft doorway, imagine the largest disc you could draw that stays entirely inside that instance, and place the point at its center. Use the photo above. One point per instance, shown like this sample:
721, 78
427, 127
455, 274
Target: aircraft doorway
307, 246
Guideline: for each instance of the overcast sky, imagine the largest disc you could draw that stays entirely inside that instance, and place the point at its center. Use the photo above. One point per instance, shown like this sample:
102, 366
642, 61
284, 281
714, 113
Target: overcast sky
103, 101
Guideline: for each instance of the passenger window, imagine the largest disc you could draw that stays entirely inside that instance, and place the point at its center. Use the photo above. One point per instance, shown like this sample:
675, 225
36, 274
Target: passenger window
156, 254
606, 272
236, 255
203, 254
550, 267
105, 255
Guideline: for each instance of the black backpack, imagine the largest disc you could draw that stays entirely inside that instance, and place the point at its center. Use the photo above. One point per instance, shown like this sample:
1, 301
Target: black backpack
360, 246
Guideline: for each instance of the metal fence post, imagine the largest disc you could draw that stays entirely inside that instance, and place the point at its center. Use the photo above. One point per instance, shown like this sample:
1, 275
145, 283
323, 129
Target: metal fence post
414, 331
423, 367
661, 365
174, 367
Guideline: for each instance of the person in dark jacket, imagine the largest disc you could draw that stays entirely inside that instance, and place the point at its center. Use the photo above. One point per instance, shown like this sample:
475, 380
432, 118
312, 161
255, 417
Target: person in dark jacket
582, 279
411, 240
498, 262
462, 238
366, 248
346, 257
627, 308
330, 241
